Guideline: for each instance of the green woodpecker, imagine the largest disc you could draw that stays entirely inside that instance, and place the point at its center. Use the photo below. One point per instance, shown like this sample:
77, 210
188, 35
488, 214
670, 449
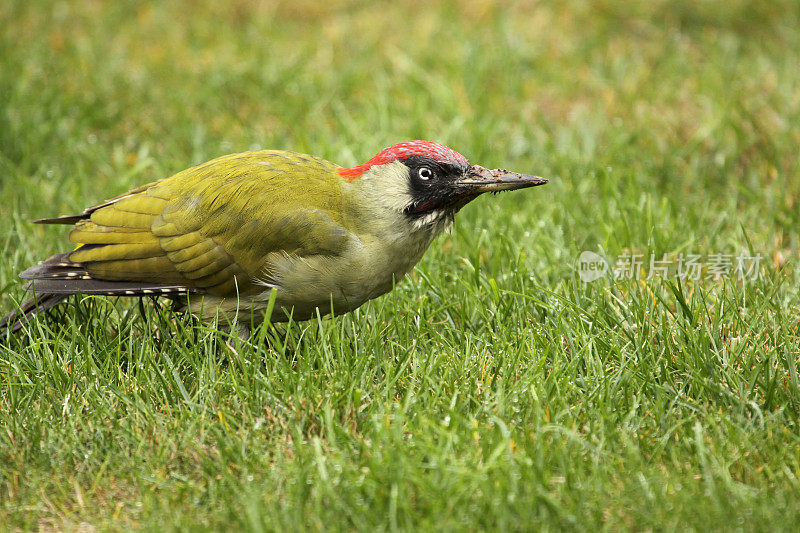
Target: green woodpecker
219, 237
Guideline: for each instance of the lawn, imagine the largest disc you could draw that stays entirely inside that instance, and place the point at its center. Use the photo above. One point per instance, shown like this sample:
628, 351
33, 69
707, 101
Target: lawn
494, 388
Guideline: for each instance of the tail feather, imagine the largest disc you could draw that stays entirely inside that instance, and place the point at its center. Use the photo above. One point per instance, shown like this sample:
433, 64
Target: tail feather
60, 275
57, 266
55, 279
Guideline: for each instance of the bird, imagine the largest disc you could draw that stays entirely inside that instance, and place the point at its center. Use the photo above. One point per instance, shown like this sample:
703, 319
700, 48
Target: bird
223, 238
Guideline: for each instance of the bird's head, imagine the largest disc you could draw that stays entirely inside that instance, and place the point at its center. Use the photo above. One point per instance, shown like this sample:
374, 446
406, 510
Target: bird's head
428, 182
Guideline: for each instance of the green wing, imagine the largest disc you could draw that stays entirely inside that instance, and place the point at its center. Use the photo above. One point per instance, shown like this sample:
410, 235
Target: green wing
216, 226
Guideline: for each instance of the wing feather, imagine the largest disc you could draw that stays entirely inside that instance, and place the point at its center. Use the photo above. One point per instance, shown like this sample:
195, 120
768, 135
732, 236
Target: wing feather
116, 252
117, 218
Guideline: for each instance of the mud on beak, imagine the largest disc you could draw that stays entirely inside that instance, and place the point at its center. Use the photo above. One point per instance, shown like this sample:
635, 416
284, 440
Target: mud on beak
480, 180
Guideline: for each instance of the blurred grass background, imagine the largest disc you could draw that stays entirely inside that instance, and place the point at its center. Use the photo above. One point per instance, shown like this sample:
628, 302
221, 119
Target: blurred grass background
491, 389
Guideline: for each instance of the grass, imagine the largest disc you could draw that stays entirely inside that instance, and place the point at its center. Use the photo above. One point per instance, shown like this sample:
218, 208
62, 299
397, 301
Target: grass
492, 388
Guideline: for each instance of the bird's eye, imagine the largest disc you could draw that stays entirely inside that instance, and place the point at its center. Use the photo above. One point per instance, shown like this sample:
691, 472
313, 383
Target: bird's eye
425, 173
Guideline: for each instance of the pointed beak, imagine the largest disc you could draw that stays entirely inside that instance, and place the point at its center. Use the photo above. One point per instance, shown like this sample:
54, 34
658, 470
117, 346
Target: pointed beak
479, 180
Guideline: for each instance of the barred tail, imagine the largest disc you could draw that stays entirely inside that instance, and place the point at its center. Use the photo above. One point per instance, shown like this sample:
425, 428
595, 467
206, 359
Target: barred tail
55, 279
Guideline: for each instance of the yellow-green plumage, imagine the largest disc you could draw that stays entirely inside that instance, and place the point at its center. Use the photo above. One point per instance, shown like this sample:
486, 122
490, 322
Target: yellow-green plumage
215, 226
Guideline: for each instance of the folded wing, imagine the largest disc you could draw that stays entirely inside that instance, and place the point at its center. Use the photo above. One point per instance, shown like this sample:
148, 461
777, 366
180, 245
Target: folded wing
211, 229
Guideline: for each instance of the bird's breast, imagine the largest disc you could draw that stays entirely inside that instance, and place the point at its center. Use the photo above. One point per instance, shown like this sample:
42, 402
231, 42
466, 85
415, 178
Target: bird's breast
370, 267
